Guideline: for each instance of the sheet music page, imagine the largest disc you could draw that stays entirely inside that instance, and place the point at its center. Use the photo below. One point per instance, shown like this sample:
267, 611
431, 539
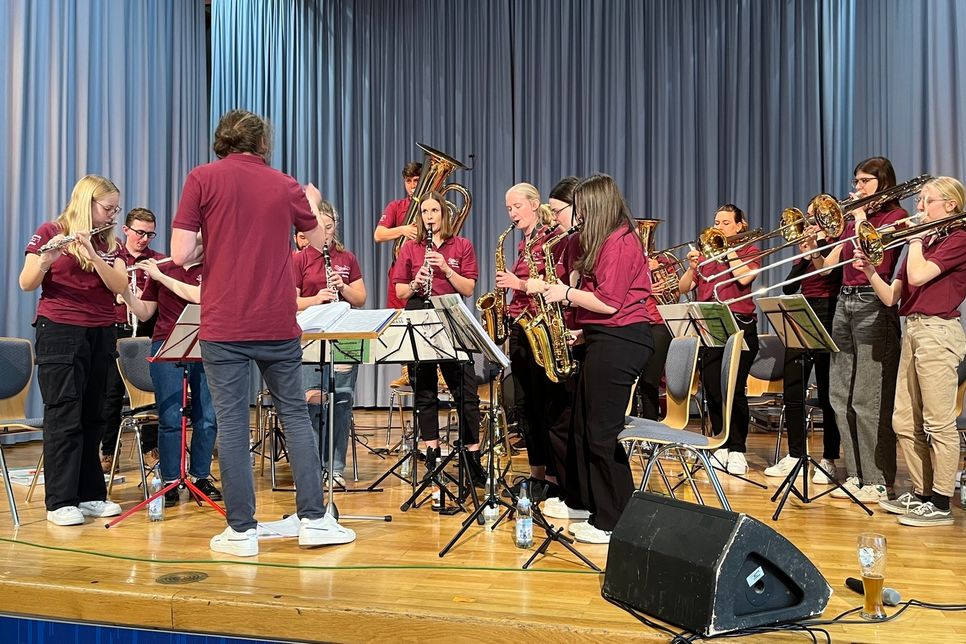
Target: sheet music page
420, 331
468, 329
322, 317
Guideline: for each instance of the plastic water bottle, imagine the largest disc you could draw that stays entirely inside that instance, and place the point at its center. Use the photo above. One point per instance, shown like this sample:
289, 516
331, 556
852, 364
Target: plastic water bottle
491, 512
407, 444
962, 488
156, 506
524, 525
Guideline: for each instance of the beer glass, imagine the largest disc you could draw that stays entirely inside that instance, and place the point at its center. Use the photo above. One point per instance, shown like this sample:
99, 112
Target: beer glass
872, 559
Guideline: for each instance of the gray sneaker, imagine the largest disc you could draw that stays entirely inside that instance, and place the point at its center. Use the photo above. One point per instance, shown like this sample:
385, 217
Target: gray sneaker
927, 515
904, 504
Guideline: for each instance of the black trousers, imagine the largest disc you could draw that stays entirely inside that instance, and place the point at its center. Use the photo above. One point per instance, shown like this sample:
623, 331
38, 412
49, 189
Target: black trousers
711, 382
532, 391
798, 366
465, 394
649, 383
614, 357
72, 364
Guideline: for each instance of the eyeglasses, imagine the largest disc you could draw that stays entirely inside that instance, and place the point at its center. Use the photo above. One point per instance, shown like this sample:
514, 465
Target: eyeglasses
144, 233
861, 181
559, 210
111, 209
925, 201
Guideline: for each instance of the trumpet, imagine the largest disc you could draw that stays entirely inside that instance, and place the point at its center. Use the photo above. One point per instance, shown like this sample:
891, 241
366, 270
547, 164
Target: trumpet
66, 240
866, 232
830, 215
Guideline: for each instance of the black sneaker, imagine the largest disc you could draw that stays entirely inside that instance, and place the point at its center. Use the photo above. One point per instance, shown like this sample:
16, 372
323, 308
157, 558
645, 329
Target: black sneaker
208, 489
172, 497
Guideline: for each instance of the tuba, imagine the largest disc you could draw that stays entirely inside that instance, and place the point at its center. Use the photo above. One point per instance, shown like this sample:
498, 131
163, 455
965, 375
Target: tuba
666, 277
437, 166
492, 304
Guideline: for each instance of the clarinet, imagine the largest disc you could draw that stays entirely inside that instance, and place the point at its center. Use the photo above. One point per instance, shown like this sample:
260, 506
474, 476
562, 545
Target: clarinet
328, 272
428, 286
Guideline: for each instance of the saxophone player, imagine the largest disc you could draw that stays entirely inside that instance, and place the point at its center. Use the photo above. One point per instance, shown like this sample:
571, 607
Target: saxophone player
531, 383
450, 267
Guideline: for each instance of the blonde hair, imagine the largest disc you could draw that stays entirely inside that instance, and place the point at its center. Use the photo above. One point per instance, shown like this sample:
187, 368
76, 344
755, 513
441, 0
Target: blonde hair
77, 218
950, 189
326, 209
531, 194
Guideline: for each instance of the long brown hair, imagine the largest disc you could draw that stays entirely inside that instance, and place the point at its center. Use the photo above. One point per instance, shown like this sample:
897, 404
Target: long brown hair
446, 223
601, 208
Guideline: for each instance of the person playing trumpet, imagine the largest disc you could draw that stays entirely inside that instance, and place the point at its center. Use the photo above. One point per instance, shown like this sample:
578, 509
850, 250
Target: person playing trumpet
75, 337
929, 288
730, 220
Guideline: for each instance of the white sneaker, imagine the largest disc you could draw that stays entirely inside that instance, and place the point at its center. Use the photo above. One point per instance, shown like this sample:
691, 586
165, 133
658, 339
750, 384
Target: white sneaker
324, 531
851, 484
719, 460
737, 463
872, 493
99, 508
573, 528
67, 515
240, 544
556, 509
591, 534
339, 480
818, 478
782, 468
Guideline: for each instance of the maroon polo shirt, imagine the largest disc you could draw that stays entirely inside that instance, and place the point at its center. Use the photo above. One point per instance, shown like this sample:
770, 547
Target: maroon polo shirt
620, 279
394, 215
732, 290
142, 276
852, 276
519, 300
310, 276
821, 286
68, 293
458, 253
170, 306
942, 295
246, 211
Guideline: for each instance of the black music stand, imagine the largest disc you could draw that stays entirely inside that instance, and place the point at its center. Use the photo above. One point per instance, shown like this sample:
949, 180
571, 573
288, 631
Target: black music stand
339, 322
797, 326
416, 336
180, 347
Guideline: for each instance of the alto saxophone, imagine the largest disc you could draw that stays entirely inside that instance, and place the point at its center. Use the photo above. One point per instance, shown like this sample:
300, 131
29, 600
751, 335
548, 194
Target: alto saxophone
492, 304
546, 331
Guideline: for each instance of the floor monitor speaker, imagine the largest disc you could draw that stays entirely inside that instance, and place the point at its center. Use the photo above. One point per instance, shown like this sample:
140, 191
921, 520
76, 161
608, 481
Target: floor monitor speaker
708, 570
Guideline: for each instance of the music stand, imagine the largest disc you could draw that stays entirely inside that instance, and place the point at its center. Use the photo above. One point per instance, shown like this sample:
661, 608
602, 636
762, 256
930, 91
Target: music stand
330, 323
181, 347
416, 336
797, 327
713, 323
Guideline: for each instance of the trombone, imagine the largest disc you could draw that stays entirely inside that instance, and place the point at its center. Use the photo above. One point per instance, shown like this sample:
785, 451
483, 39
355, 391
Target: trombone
862, 233
874, 242
715, 245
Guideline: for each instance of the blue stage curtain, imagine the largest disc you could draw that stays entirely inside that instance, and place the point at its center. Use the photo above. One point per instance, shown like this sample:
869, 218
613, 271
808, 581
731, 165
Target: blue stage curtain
94, 87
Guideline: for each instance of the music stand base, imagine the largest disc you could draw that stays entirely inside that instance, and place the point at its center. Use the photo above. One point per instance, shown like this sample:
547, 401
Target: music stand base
788, 487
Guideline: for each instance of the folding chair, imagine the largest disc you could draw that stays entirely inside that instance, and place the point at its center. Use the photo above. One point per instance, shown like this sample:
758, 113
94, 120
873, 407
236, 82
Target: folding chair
16, 374
665, 438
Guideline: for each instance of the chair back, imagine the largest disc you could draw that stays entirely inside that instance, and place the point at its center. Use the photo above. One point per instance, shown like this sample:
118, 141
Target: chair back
132, 362
729, 374
768, 368
961, 391
16, 373
679, 374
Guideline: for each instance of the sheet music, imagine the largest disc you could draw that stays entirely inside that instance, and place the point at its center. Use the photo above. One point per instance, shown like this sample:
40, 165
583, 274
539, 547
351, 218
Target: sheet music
182, 343
415, 336
467, 329
322, 316
796, 324
677, 319
343, 322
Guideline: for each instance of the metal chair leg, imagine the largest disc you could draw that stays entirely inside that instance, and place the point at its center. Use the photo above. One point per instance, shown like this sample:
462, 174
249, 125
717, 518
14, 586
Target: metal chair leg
9, 488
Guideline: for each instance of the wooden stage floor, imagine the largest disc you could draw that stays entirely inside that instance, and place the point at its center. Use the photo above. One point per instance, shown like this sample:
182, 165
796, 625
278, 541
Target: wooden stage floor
392, 585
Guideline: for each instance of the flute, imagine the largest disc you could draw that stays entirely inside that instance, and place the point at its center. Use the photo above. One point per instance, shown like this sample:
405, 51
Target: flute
131, 269
69, 239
